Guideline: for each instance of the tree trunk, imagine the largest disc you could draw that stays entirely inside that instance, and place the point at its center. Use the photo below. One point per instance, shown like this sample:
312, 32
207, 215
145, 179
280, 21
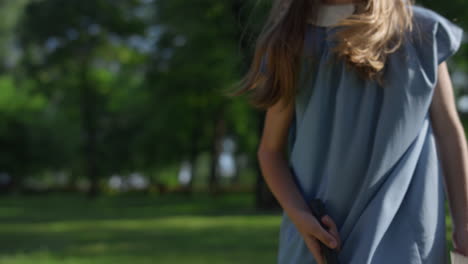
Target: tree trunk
89, 123
193, 159
219, 132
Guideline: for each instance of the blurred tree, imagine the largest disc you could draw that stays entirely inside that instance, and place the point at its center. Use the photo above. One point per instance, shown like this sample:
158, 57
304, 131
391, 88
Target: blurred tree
203, 50
197, 59
76, 52
19, 129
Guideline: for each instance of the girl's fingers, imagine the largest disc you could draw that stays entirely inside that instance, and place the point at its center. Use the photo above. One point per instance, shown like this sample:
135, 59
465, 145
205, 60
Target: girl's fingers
314, 247
328, 221
324, 236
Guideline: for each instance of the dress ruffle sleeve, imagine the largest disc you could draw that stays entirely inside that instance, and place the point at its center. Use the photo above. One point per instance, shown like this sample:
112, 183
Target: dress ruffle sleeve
448, 38
444, 37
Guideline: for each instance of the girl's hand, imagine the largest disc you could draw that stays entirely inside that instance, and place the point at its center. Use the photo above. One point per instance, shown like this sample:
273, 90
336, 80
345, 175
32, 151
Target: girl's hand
312, 232
460, 241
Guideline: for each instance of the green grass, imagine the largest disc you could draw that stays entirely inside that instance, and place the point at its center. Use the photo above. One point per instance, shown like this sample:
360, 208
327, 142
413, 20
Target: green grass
135, 229
70, 229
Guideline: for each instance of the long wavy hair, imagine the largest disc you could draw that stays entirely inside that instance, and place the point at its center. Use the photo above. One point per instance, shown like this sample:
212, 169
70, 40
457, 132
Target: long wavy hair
376, 29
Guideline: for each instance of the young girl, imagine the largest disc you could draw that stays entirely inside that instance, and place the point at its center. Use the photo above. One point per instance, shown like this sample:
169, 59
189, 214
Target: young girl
360, 94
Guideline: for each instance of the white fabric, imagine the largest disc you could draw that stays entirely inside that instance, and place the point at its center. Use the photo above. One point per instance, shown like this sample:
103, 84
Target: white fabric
329, 14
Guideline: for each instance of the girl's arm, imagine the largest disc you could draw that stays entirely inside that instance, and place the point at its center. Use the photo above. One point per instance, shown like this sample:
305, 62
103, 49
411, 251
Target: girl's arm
453, 151
275, 171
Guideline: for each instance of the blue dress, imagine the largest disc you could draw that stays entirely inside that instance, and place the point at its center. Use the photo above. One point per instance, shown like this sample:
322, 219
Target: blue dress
369, 152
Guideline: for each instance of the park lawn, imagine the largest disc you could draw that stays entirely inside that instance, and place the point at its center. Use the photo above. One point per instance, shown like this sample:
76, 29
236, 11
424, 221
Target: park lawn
70, 229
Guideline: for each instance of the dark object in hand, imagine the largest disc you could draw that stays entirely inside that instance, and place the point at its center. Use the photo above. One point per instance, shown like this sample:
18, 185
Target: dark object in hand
318, 210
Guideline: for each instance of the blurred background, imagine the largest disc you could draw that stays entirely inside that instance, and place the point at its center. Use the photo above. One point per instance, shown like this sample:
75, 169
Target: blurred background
116, 142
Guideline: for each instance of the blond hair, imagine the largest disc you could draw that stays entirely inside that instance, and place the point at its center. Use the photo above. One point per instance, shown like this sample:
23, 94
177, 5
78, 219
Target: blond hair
376, 29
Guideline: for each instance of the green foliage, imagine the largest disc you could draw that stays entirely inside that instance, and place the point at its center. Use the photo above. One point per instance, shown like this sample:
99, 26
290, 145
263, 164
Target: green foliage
79, 58
16, 100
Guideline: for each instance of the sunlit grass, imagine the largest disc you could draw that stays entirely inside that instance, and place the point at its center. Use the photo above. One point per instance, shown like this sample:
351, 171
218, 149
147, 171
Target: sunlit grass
138, 229
70, 229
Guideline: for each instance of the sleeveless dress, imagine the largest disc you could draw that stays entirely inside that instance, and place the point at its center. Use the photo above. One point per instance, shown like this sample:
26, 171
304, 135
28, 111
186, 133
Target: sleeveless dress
369, 152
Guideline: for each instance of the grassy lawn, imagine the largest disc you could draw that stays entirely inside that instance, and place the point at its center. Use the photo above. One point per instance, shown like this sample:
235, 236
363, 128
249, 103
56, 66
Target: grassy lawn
70, 229
135, 229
